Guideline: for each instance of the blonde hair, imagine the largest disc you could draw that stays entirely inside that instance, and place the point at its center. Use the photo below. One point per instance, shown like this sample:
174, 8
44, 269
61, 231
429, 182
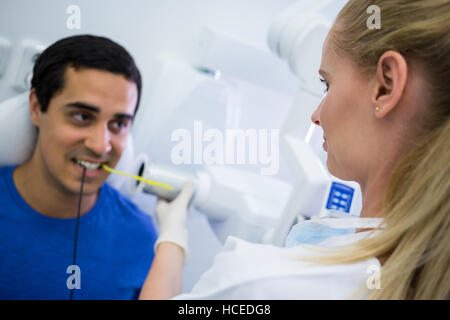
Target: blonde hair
415, 245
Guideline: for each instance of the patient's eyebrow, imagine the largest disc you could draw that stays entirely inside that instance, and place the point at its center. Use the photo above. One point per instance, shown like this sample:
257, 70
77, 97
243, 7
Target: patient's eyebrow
82, 105
124, 116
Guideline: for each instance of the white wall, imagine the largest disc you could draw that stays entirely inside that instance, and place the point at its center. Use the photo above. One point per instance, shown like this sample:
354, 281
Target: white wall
147, 28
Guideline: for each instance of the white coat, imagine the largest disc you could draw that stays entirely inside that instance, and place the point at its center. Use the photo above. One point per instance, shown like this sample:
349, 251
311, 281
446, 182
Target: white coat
244, 270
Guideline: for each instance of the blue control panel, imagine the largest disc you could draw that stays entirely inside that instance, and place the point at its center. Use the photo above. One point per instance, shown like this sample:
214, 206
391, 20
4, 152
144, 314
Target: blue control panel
340, 197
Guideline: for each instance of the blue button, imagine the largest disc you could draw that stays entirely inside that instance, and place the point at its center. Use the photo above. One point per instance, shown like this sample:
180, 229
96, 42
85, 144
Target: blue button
340, 197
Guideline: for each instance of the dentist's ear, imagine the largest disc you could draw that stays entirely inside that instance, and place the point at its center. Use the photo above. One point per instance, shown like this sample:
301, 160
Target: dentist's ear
35, 108
391, 77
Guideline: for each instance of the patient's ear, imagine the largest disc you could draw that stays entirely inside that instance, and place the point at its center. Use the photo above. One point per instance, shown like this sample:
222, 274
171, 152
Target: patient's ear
35, 108
391, 77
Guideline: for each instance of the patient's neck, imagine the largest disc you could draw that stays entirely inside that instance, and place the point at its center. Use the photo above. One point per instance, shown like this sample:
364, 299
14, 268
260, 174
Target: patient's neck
45, 194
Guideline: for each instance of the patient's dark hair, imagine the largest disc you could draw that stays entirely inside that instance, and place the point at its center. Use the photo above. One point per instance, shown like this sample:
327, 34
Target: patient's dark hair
81, 51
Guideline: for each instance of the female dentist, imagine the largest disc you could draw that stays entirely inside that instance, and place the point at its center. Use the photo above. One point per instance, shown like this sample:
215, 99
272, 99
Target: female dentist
386, 125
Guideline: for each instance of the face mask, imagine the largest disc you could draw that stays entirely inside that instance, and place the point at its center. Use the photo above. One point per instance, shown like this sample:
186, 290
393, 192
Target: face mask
335, 224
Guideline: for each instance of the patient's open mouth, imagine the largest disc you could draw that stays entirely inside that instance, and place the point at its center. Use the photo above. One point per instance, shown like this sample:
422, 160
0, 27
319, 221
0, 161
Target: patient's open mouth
87, 164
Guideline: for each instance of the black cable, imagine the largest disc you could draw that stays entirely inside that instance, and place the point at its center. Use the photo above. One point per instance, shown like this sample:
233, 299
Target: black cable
76, 226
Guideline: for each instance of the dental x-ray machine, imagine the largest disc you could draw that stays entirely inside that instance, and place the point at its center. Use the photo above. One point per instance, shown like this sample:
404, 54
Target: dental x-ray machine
260, 208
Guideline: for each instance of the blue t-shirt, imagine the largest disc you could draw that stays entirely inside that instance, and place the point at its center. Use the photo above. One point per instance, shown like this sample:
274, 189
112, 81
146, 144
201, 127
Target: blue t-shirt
114, 251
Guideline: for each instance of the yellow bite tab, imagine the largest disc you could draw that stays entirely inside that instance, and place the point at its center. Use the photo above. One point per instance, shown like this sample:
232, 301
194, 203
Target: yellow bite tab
148, 181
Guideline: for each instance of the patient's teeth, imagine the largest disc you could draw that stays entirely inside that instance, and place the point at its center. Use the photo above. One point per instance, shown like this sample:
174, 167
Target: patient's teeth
88, 165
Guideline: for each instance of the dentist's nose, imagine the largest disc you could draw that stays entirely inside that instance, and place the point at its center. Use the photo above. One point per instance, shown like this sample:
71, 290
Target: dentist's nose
99, 140
315, 117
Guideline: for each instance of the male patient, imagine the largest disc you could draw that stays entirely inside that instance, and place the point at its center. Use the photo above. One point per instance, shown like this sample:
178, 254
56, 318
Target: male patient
85, 93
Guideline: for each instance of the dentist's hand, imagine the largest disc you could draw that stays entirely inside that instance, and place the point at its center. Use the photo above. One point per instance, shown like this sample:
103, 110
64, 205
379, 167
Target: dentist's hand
165, 278
172, 218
